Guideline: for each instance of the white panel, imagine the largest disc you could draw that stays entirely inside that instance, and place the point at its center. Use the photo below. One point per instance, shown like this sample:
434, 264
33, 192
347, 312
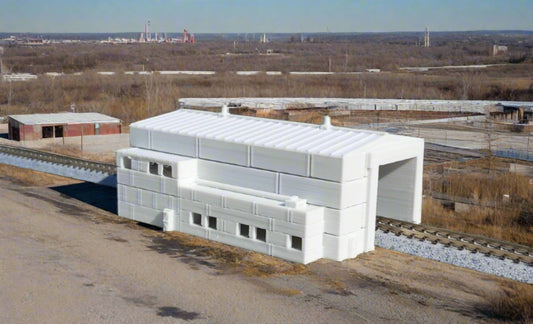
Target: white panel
310, 215
208, 197
162, 201
194, 230
186, 192
146, 198
124, 176
147, 181
237, 176
343, 247
313, 242
288, 254
279, 239
279, 160
125, 209
347, 168
298, 230
325, 193
139, 137
230, 227
186, 169
219, 150
120, 192
277, 212
148, 216
326, 167
170, 186
344, 221
173, 143
192, 206
240, 204
130, 195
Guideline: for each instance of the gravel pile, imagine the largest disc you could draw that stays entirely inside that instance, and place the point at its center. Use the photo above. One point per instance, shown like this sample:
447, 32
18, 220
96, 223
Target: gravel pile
466, 259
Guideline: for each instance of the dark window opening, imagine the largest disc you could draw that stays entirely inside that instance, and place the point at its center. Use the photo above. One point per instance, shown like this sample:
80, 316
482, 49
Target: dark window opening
197, 219
126, 162
260, 234
48, 131
15, 134
296, 242
167, 171
244, 230
58, 131
154, 168
212, 222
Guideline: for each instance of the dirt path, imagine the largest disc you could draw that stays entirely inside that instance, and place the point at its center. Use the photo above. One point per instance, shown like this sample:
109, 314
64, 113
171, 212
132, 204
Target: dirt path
64, 261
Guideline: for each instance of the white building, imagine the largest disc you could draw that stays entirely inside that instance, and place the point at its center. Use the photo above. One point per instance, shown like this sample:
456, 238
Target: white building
296, 191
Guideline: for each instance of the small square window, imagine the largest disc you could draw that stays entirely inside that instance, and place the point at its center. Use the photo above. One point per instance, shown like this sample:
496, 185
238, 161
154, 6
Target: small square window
126, 162
167, 171
212, 222
244, 230
197, 219
296, 242
154, 168
260, 234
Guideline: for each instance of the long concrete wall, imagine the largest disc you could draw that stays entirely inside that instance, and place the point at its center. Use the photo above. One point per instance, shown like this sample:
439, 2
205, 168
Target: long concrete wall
470, 106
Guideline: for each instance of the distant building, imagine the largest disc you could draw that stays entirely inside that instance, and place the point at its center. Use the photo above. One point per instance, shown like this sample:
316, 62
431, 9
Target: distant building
37, 126
499, 50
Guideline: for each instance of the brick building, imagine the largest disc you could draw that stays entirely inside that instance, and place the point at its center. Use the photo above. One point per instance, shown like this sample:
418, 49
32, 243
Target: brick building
37, 126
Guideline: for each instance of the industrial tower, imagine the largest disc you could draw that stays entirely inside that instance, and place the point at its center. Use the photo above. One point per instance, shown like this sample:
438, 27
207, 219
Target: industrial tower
426, 38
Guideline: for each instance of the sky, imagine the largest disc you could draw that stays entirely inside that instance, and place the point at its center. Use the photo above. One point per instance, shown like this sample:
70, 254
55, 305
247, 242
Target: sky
272, 16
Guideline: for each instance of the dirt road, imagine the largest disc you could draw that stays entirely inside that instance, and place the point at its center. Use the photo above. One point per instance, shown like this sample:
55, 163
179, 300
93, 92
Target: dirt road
65, 261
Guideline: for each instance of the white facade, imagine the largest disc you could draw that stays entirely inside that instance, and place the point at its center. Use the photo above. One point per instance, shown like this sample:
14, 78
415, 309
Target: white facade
295, 191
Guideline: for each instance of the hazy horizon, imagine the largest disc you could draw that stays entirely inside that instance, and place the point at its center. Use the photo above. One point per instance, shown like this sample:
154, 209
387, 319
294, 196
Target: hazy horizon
273, 16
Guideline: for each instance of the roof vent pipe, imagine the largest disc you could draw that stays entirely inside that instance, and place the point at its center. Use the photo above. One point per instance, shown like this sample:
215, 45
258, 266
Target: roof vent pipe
326, 123
225, 111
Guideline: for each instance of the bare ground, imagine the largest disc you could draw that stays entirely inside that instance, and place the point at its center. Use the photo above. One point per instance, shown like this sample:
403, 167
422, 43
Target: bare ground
63, 260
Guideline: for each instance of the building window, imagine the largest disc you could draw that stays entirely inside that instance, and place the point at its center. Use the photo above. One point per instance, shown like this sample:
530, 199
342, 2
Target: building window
167, 171
126, 162
197, 219
244, 230
154, 168
296, 243
48, 131
212, 222
260, 234
58, 131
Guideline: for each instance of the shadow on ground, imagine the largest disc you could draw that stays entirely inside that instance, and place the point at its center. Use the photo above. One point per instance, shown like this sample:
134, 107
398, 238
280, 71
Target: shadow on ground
99, 196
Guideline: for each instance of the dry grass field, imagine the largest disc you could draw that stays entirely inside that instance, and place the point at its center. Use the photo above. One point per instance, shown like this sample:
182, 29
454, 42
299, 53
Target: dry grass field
135, 97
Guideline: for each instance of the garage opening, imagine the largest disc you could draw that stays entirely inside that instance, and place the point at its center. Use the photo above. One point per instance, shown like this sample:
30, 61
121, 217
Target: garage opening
48, 131
396, 190
58, 131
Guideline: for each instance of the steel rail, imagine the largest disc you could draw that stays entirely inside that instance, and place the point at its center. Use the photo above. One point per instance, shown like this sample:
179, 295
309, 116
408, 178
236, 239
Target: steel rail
462, 241
58, 159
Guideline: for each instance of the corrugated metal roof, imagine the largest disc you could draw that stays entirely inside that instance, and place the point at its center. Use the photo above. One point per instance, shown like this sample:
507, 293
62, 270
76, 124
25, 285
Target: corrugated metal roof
64, 118
284, 135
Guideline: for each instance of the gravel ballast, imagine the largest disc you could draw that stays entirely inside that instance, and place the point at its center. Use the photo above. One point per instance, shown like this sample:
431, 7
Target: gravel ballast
462, 258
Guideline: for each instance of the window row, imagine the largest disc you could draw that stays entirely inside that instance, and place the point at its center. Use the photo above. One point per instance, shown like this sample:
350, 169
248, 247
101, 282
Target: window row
154, 167
244, 230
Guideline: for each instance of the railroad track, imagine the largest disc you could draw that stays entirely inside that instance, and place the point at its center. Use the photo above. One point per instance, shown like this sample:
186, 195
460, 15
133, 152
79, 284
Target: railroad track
58, 159
461, 241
